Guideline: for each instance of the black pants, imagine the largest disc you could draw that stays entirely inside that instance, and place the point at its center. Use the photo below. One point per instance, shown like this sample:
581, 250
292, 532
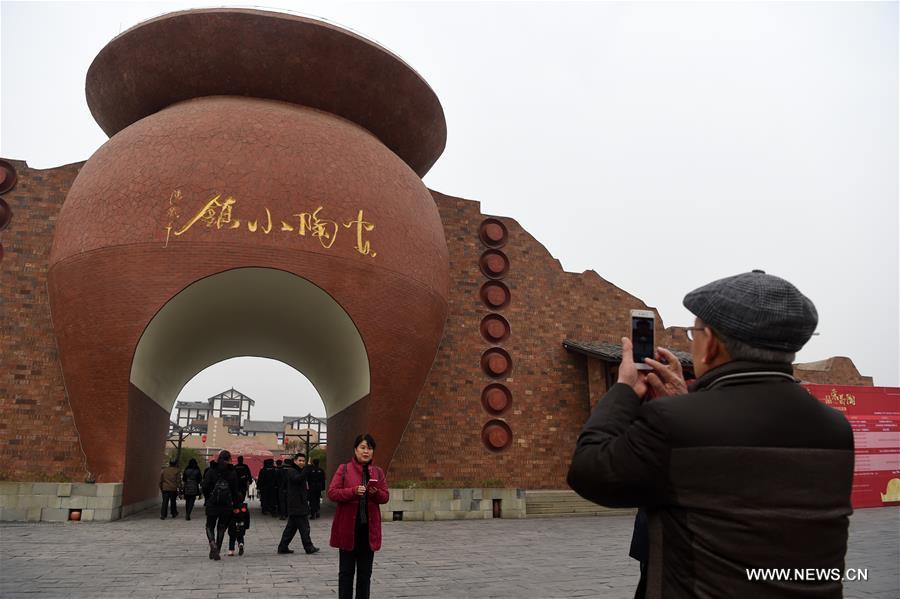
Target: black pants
315, 500
641, 590
189, 504
216, 527
295, 523
235, 533
360, 559
168, 496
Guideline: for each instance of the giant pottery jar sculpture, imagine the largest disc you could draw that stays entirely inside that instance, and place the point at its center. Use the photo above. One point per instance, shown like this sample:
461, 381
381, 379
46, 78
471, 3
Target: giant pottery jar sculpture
243, 138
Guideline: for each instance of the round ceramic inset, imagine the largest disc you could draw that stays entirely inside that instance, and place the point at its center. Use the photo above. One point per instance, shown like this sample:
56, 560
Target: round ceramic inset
493, 233
495, 295
496, 435
494, 328
496, 362
496, 398
8, 176
494, 264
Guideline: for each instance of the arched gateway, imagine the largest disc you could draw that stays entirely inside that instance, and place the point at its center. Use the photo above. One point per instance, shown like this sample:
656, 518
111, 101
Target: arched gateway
259, 196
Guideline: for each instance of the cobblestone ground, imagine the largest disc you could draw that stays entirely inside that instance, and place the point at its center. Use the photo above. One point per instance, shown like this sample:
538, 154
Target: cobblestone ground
142, 556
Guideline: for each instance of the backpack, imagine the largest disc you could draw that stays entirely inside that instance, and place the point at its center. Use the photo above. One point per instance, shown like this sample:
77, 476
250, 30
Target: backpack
221, 493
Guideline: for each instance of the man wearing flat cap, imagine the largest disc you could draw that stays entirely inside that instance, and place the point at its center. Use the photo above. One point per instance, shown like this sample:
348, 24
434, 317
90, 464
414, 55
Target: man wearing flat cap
743, 470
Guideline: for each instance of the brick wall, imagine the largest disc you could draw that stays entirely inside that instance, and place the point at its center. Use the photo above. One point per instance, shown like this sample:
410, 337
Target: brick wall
833, 371
550, 389
548, 385
38, 439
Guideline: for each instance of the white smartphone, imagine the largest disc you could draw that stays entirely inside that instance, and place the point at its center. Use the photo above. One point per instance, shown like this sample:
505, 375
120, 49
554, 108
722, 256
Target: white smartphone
642, 341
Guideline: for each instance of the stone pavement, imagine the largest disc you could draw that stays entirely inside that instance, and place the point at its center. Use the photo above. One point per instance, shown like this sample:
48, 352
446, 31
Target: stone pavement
144, 557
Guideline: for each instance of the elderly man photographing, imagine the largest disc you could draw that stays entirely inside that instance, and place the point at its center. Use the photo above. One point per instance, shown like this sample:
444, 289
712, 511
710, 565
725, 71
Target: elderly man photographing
743, 470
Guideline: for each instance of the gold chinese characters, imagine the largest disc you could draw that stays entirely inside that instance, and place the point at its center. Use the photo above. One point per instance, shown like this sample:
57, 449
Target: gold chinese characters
219, 213
839, 399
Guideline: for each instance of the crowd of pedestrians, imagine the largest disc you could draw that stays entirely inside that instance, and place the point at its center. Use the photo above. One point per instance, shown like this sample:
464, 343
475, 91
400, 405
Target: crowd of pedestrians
291, 490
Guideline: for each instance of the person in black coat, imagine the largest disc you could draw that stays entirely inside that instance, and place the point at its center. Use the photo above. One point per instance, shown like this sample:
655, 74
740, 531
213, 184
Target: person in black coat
245, 477
316, 486
191, 480
222, 492
296, 483
264, 484
280, 489
742, 470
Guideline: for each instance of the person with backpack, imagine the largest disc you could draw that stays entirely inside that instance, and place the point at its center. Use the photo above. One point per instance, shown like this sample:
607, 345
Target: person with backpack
222, 491
191, 479
358, 488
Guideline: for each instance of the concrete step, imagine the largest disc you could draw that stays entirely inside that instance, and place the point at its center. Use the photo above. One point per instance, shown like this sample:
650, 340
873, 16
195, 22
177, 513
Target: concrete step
565, 503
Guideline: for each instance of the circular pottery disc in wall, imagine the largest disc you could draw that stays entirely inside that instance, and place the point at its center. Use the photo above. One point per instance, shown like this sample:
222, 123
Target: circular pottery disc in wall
493, 233
495, 295
496, 435
494, 328
496, 362
494, 264
496, 398
8, 176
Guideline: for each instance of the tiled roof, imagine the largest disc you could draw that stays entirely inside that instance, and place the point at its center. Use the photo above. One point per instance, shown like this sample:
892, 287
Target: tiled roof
287, 419
263, 426
233, 394
192, 405
612, 352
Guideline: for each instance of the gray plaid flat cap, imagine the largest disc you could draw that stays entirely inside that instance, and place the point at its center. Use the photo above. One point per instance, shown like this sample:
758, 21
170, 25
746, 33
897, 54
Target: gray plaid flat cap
763, 311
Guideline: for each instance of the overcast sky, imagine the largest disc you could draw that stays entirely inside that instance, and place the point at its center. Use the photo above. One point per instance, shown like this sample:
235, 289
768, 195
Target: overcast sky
662, 145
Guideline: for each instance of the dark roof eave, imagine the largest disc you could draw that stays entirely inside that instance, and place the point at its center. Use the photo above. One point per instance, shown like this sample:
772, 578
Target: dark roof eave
612, 352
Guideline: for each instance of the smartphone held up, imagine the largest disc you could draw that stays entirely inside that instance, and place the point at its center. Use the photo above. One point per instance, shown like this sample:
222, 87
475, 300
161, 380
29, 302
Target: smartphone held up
642, 341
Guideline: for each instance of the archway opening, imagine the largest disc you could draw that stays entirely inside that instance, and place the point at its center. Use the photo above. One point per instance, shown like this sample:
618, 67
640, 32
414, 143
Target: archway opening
257, 408
260, 312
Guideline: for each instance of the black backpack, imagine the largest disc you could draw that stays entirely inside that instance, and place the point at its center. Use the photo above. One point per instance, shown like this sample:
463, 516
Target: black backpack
221, 493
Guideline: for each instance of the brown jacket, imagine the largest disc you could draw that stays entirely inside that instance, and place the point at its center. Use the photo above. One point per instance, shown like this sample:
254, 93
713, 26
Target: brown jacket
168, 478
748, 470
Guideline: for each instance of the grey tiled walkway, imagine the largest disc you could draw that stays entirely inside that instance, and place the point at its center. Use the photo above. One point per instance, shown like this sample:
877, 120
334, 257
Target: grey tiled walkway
144, 557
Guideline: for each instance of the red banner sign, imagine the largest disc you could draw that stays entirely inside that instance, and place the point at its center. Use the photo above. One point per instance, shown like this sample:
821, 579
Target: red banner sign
874, 415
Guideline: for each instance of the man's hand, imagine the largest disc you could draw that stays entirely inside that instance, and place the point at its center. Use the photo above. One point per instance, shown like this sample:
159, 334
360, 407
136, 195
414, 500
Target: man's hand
628, 374
666, 379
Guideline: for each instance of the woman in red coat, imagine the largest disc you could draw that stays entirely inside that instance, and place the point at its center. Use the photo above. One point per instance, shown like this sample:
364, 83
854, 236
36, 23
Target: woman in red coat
359, 488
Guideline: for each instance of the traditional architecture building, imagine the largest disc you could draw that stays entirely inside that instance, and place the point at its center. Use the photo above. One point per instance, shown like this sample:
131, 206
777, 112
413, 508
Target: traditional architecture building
273, 188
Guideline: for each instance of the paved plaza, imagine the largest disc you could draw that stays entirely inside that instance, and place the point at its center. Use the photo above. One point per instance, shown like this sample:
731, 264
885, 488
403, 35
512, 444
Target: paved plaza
144, 557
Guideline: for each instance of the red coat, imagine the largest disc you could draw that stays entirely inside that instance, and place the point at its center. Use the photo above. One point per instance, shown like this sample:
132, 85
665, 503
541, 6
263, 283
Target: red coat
342, 491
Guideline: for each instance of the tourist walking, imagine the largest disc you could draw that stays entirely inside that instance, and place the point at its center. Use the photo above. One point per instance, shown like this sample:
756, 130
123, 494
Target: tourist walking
244, 476
168, 485
358, 488
316, 487
296, 482
240, 524
265, 484
190, 484
220, 487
